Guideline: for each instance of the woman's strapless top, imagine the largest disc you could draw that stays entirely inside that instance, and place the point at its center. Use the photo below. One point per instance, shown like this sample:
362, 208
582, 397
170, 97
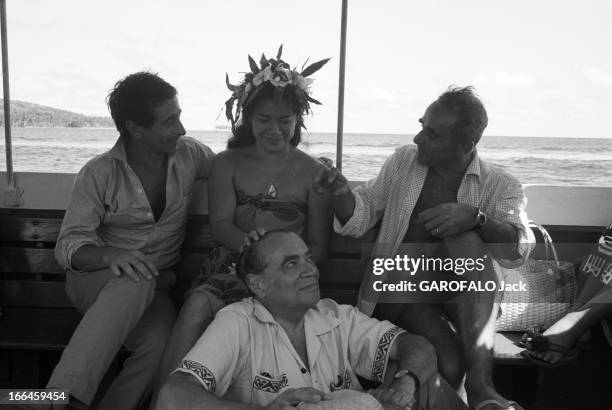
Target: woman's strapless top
268, 212
217, 276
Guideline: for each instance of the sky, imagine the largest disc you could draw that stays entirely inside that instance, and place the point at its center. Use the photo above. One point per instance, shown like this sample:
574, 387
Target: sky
542, 68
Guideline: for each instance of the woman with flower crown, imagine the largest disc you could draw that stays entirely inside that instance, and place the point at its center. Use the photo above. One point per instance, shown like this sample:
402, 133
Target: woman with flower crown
262, 181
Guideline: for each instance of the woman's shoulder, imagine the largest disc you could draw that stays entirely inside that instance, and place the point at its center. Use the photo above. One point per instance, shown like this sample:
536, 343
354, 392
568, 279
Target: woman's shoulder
306, 162
229, 157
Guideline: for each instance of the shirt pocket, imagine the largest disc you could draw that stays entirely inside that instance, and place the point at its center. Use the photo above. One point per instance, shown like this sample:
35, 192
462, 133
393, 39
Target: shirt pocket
124, 217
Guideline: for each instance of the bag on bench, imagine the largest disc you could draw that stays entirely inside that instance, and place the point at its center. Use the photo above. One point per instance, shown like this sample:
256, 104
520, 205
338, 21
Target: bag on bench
550, 290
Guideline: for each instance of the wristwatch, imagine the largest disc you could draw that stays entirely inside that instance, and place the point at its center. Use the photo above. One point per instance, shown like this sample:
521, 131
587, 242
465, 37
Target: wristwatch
481, 219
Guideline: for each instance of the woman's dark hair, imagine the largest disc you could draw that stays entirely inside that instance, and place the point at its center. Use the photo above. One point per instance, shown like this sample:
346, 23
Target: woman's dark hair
134, 98
243, 133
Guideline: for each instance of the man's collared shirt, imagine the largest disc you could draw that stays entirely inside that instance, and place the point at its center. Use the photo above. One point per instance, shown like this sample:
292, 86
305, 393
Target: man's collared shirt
245, 355
393, 194
109, 207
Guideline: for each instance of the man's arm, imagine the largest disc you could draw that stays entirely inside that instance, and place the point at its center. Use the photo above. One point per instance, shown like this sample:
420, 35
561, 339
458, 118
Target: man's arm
133, 263
343, 200
358, 211
414, 353
79, 246
452, 219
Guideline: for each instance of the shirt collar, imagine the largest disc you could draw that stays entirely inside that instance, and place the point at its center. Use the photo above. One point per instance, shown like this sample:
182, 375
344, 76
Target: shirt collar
314, 320
118, 150
474, 166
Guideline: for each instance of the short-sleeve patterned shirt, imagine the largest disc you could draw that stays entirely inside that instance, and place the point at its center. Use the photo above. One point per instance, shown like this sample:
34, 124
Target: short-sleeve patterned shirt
246, 356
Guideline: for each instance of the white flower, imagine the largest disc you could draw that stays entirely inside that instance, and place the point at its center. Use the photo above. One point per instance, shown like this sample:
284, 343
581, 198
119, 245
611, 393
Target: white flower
282, 77
267, 73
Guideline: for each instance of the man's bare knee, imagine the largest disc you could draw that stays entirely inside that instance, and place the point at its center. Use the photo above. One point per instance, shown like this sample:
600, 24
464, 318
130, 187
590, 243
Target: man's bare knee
464, 241
452, 369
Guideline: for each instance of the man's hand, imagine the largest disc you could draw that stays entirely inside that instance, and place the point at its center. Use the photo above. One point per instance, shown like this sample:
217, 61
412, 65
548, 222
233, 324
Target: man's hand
401, 394
292, 397
132, 263
448, 219
331, 180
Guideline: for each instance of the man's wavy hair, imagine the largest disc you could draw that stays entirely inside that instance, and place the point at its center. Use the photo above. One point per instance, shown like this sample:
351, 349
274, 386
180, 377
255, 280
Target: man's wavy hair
243, 133
471, 115
134, 97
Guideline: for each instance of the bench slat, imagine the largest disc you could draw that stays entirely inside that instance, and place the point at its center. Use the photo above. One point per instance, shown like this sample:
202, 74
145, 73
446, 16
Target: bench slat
28, 260
26, 228
27, 293
37, 328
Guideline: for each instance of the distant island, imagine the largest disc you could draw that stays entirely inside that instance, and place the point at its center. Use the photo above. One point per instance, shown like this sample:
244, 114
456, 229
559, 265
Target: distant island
27, 114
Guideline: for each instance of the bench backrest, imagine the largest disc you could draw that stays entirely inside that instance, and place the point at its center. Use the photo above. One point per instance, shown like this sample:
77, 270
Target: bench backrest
30, 276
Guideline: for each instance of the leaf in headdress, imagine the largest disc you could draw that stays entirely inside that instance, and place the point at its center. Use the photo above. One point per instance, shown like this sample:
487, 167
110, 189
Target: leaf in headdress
253, 65
314, 67
252, 95
231, 87
263, 61
304, 65
312, 100
280, 52
229, 104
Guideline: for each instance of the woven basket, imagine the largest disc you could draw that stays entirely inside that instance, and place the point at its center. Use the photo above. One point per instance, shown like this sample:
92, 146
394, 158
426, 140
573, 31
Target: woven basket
550, 291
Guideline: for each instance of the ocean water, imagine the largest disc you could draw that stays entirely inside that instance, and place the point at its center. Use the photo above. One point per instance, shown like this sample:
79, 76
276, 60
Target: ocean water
533, 160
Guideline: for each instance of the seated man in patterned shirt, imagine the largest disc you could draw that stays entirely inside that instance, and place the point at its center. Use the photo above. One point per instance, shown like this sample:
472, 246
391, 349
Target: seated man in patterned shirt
284, 345
440, 201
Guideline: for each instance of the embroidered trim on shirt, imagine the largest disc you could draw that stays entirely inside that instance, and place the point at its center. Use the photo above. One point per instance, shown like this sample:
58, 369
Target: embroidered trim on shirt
206, 376
380, 357
270, 386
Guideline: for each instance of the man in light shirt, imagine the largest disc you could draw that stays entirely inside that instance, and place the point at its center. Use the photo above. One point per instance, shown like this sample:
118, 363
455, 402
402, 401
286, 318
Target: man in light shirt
440, 200
121, 238
284, 345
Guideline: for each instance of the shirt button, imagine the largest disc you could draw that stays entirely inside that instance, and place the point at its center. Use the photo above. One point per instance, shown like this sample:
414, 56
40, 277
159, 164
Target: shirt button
139, 191
149, 214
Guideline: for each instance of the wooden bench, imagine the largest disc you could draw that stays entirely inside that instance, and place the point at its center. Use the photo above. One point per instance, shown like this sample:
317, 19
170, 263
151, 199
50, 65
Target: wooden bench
37, 315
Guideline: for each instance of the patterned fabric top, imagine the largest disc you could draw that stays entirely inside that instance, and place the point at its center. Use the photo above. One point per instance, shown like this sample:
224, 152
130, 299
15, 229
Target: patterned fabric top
245, 355
392, 196
264, 210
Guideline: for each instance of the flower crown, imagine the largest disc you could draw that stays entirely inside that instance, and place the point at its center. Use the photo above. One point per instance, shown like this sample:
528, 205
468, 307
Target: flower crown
276, 72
